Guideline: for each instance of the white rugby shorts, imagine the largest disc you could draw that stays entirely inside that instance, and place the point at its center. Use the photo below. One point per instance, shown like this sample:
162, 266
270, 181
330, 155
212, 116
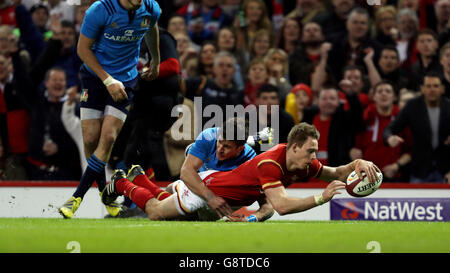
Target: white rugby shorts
186, 201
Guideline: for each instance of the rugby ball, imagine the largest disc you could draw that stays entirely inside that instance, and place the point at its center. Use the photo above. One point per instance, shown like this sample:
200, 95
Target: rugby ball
361, 188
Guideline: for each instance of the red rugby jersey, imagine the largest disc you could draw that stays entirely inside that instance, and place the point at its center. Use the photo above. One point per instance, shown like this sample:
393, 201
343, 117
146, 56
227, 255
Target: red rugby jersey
246, 184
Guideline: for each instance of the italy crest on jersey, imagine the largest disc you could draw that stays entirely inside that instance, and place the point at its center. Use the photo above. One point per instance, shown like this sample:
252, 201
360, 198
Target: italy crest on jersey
145, 21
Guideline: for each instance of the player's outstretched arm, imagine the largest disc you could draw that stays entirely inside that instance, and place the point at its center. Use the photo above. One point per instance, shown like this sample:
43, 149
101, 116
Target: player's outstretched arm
284, 204
340, 173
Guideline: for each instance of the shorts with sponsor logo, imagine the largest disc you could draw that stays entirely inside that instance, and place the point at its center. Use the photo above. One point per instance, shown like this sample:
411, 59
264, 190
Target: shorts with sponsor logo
186, 201
95, 100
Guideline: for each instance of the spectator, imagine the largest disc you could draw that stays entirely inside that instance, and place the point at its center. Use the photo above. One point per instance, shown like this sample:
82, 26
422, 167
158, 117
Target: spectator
333, 22
261, 44
428, 59
321, 72
277, 76
351, 49
80, 12
428, 117
306, 54
258, 75
203, 20
50, 144
369, 144
408, 26
68, 58
72, 123
218, 90
7, 38
177, 23
277, 56
14, 117
442, 13
405, 96
185, 51
62, 10
409, 4
337, 126
353, 82
226, 41
297, 100
445, 62
386, 25
31, 38
206, 59
306, 10
7, 13
268, 96
252, 18
389, 68
289, 35
40, 16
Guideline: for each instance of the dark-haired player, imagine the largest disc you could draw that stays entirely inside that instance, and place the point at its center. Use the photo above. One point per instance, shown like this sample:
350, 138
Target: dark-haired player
109, 45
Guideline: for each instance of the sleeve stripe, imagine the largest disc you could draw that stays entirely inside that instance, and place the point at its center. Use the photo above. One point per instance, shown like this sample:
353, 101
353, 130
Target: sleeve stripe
278, 183
111, 5
106, 7
271, 161
319, 171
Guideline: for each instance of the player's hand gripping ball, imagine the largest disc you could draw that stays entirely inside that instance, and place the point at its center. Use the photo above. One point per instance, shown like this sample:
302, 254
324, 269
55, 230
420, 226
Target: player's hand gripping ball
361, 188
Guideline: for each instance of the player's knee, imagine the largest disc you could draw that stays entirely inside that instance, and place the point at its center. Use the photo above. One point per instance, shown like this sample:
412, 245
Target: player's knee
154, 215
153, 211
109, 138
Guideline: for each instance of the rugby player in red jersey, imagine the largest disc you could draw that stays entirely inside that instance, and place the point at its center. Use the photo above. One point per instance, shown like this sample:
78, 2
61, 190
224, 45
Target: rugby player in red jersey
264, 177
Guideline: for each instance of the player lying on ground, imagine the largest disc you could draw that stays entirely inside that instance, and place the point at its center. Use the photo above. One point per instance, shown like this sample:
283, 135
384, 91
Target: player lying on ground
265, 176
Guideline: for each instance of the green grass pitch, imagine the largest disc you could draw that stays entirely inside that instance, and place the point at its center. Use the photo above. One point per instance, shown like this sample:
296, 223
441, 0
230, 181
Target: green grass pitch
30, 235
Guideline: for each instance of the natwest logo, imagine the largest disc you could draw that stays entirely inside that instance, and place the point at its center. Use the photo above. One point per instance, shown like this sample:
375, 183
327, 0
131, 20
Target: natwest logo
390, 209
402, 211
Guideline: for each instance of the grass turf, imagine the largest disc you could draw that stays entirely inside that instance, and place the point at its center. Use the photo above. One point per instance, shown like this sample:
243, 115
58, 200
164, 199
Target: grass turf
29, 235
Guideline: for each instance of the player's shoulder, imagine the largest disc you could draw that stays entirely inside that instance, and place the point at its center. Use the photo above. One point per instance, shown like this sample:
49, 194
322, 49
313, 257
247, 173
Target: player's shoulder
248, 151
207, 136
152, 7
104, 6
315, 168
274, 156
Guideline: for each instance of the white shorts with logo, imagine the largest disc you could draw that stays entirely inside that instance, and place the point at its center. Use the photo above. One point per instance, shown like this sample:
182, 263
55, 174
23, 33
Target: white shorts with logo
186, 201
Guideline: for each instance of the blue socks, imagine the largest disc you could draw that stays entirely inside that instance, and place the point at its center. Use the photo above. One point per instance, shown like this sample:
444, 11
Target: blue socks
95, 171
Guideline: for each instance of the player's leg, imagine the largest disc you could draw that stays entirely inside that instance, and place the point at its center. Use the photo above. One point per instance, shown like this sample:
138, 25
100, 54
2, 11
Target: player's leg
142, 197
137, 176
91, 134
91, 124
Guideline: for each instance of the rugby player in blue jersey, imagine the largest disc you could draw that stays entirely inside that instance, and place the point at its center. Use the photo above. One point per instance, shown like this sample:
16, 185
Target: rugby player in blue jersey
109, 45
213, 151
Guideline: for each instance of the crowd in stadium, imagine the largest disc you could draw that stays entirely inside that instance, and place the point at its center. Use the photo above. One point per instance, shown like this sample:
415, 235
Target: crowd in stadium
374, 78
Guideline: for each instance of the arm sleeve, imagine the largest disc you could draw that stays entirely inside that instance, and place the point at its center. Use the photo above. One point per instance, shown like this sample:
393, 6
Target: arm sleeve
315, 169
202, 145
155, 10
94, 20
269, 174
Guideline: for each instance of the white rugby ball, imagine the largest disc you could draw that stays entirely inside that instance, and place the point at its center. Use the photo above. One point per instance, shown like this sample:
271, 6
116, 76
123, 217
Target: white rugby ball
361, 188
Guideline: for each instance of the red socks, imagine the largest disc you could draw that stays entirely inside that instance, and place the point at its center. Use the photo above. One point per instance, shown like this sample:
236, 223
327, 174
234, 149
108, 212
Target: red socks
138, 195
143, 181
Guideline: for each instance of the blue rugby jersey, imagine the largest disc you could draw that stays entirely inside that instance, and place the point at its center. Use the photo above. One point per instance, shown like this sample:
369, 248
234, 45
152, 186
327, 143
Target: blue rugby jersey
205, 147
118, 35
